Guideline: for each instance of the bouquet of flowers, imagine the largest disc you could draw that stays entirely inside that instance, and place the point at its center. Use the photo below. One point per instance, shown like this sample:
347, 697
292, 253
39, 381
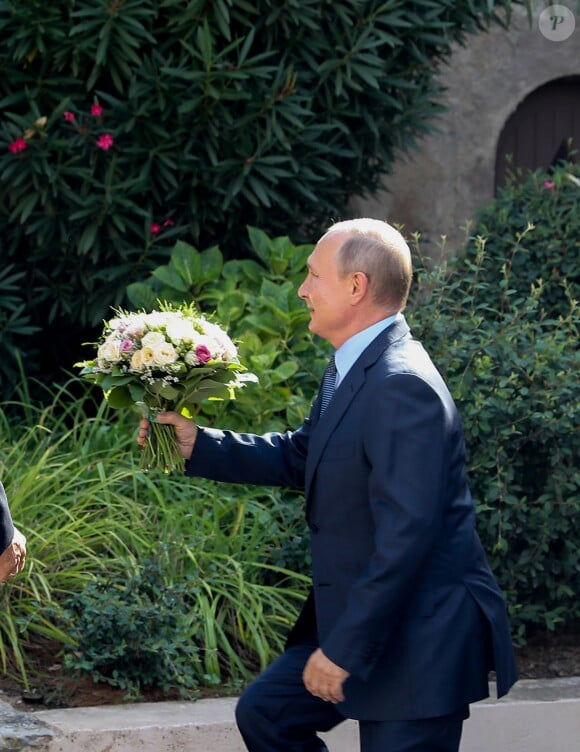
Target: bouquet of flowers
171, 359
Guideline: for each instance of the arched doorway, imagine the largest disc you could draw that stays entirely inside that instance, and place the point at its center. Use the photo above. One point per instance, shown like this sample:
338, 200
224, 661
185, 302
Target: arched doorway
544, 129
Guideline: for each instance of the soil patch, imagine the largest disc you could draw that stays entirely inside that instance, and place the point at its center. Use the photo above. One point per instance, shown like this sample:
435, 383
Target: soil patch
546, 656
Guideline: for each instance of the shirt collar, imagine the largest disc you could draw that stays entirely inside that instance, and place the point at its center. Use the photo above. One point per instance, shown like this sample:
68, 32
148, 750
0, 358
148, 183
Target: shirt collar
349, 352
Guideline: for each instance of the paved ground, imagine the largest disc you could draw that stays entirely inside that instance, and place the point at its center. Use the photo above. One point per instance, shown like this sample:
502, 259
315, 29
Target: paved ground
537, 716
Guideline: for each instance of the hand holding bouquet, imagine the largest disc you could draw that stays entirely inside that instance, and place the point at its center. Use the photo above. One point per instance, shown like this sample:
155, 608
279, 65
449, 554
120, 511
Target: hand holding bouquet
171, 359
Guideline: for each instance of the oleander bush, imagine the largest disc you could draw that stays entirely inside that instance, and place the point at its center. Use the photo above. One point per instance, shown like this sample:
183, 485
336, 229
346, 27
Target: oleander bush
127, 125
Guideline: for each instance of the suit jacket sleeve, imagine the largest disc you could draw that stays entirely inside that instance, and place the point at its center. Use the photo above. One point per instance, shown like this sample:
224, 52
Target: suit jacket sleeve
404, 443
6, 524
274, 459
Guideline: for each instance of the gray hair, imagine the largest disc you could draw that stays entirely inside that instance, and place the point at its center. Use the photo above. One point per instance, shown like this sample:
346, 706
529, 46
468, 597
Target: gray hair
379, 251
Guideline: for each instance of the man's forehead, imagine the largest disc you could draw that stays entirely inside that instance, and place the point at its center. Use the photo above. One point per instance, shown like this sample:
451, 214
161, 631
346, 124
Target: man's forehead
330, 241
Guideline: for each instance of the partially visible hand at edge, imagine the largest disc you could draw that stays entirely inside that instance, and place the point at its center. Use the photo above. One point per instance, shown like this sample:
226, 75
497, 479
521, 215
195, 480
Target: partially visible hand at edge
13, 558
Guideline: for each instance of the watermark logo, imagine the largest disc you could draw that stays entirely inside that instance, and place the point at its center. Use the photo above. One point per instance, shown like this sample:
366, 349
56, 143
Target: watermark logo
557, 23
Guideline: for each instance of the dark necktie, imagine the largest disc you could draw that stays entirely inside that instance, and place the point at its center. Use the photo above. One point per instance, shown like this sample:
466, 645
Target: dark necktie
328, 385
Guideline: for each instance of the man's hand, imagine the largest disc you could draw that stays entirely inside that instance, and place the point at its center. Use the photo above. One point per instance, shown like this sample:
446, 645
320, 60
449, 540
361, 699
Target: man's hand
323, 678
13, 558
185, 431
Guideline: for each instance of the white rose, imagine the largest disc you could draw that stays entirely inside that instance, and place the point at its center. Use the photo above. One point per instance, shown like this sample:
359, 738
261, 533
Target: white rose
159, 318
109, 352
164, 354
180, 330
137, 361
132, 324
147, 356
153, 339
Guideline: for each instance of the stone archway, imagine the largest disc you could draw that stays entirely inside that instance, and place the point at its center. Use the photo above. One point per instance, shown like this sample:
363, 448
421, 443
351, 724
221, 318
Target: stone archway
544, 129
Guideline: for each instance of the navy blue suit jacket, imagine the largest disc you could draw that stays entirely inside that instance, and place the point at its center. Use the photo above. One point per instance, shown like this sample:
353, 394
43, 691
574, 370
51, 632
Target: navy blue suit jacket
6, 524
403, 597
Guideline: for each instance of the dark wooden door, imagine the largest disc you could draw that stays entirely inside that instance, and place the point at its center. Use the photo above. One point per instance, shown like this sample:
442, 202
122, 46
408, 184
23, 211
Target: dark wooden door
544, 128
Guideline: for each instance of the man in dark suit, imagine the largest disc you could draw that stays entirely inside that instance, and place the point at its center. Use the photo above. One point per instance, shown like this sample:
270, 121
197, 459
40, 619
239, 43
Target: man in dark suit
12, 542
404, 620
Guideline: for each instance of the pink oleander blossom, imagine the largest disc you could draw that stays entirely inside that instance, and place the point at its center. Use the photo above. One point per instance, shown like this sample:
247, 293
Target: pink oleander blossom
96, 110
202, 353
550, 185
69, 117
155, 229
105, 141
17, 145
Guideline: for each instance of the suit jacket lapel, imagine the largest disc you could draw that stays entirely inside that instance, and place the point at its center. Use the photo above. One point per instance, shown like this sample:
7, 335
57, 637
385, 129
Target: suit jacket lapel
323, 427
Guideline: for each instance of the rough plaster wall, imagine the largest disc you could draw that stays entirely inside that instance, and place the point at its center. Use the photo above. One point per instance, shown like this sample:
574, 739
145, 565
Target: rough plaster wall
437, 190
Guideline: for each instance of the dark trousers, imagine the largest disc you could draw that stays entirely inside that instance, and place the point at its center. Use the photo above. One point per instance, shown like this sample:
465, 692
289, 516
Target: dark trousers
277, 714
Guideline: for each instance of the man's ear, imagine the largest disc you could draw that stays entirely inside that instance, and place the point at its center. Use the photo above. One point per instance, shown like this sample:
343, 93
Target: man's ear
359, 286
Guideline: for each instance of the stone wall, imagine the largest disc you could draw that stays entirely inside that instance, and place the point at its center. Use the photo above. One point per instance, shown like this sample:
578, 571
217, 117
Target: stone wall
436, 190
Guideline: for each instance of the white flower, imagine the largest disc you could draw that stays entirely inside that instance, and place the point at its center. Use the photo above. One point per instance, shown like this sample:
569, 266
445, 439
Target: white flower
191, 358
160, 318
131, 323
137, 361
147, 356
109, 352
223, 348
180, 330
164, 354
153, 339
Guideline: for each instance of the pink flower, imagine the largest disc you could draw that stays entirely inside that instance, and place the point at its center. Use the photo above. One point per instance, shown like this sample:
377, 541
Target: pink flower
96, 110
105, 141
126, 346
155, 229
17, 145
69, 117
551, 186
202, 353
168, 223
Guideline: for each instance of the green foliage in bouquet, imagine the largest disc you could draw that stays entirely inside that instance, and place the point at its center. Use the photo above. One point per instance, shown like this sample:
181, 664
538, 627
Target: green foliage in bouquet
127, 125
168, 359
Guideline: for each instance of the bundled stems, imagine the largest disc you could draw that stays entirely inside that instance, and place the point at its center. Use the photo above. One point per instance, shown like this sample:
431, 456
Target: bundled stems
161, 451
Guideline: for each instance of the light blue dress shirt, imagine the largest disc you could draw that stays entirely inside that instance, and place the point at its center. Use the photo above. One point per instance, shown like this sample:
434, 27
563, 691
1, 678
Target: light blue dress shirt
349, 352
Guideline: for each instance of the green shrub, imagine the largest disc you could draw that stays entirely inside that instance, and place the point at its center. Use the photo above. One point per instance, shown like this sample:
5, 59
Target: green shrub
549, 205
210, 116
507, 344
131, 632
257, 302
